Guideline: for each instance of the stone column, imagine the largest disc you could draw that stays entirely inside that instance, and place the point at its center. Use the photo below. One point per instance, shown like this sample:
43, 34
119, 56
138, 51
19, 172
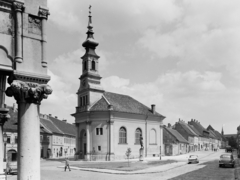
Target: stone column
18, 7
88, 134
28, 96
43, 13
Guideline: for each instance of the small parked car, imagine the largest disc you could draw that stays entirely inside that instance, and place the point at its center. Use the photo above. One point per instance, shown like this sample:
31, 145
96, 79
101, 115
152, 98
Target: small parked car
226, 160
193, 159
11, 167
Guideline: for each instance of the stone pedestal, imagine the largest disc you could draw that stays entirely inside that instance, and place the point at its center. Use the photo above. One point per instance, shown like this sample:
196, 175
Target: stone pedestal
141, 157
28, 96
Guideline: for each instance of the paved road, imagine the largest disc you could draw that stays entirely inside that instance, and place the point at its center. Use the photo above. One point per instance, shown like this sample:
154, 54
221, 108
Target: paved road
50, 171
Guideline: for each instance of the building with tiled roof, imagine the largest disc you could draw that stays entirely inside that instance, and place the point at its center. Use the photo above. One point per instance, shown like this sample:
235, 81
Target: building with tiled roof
207, 140
57, 137
174, 142
108, 123
185, 130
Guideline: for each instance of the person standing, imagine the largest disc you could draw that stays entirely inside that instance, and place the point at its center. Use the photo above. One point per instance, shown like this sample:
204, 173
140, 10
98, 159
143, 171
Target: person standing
67, 164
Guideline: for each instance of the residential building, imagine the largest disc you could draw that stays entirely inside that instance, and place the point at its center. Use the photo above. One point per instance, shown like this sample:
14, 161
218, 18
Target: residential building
205, 134
192, 138
57, 138
174, 142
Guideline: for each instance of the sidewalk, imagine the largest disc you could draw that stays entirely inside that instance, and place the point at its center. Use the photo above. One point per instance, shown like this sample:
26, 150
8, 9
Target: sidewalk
237, 169
182, 160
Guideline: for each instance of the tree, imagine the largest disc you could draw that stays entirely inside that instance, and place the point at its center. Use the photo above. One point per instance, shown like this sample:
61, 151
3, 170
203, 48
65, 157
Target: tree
232, 142
128, 153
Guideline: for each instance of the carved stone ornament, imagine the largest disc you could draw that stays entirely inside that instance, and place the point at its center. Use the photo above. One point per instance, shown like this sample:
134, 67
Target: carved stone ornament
18, 6
34, 25
28, 92
43, 12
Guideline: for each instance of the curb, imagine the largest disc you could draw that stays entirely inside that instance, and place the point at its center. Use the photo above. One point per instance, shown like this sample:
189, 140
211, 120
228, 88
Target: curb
106, 171
124, 173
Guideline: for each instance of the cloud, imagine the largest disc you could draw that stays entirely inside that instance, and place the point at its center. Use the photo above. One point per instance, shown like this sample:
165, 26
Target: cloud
207, 36
122, 15
175, 92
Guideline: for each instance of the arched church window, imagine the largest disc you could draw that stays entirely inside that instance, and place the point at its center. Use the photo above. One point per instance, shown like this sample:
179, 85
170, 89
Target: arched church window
122, 135
153, 137
93, 65
85, 65
138, 132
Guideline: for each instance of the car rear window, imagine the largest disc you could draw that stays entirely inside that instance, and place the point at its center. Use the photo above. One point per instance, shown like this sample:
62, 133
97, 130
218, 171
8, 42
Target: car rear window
225, 156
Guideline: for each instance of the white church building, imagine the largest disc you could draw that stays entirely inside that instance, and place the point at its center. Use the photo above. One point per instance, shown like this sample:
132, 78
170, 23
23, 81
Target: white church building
110, 123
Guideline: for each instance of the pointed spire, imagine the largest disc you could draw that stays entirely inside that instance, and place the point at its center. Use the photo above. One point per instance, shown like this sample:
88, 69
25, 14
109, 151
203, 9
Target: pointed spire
90, 42
222, 131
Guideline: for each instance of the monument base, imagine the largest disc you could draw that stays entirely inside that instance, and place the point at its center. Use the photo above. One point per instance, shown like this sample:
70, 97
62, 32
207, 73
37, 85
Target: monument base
141, 158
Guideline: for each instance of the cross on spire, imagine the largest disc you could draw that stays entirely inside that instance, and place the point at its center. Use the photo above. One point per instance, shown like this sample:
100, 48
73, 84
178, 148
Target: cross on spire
90, 10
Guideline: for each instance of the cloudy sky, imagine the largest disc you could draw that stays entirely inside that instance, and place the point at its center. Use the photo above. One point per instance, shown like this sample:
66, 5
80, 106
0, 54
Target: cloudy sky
182, 55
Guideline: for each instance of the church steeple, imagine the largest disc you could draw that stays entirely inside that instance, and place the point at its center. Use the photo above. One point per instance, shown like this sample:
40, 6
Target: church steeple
222, 131
90, 85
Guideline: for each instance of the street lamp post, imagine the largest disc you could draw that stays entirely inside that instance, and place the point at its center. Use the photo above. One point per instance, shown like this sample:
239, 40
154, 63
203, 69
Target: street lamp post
5, 142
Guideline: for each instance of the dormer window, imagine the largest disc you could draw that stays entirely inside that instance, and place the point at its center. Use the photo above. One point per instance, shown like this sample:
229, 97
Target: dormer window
93, 65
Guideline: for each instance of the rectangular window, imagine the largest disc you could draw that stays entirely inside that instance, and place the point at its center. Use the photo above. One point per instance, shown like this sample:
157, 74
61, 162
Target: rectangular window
99, 131
99, 148
8, 139
86, 99
81, 101
16, 139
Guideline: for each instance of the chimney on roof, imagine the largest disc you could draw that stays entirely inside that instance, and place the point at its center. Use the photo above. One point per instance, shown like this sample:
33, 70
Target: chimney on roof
179, 119
64, 120
50, 115
153, 108
169, 125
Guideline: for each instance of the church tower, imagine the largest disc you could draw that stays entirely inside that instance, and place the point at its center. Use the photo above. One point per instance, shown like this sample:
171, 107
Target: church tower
90, 85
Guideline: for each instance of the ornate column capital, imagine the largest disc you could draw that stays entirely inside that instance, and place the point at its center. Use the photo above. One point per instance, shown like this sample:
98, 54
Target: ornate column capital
28, 91
18, 5
43, 12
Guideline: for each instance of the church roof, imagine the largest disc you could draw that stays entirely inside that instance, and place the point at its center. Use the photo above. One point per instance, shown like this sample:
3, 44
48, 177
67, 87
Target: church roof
122, 103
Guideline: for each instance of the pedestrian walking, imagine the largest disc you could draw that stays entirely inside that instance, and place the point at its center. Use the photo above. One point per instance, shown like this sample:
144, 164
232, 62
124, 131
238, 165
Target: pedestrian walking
67, 164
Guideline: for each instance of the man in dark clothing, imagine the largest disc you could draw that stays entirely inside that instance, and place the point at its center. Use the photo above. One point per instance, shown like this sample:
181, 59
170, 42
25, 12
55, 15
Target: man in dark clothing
67, 164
